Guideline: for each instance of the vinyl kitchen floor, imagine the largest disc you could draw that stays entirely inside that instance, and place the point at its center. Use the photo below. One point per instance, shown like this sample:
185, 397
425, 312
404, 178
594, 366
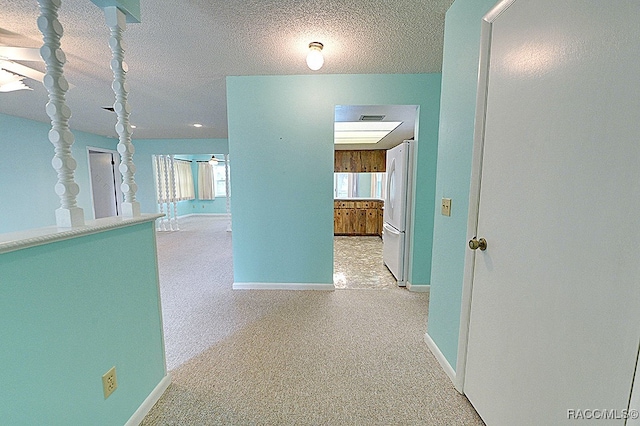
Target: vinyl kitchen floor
357, 264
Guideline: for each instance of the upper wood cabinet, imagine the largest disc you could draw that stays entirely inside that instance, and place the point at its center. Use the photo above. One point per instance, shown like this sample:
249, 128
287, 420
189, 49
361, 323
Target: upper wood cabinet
364, 161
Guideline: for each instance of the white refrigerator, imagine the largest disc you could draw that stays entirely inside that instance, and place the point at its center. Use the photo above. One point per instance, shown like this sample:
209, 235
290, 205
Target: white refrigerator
396, 209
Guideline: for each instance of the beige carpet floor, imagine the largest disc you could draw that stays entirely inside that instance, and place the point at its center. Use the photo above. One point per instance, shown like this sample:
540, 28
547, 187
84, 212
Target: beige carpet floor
347, 357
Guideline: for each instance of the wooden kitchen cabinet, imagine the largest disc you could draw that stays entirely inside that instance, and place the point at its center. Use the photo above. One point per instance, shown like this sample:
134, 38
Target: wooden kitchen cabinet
371, 222
363, 161
362, 217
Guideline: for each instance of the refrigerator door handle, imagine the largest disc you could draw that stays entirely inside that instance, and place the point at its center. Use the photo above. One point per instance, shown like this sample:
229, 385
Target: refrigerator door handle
391, 187
391, 229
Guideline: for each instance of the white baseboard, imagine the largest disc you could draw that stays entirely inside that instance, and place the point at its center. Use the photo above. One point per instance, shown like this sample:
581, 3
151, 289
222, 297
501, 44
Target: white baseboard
203, 214
148, 403
418, 288
283, 286
440, 357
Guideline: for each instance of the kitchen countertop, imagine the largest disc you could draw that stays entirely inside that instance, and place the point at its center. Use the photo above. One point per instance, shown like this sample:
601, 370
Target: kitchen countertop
357, 199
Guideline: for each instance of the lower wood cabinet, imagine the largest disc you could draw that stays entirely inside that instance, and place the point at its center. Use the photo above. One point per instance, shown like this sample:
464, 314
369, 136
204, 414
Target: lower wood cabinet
357, 217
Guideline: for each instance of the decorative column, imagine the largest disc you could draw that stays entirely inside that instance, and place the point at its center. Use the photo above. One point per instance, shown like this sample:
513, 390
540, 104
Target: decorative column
69, 214
226, 189
174, 193
167, 218
159, 175
116, 21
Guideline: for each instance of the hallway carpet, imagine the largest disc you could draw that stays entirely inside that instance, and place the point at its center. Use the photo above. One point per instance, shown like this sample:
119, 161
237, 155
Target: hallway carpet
247, 357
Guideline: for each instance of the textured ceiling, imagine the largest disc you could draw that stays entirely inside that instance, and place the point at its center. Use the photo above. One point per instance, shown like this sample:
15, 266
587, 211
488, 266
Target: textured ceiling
182, 51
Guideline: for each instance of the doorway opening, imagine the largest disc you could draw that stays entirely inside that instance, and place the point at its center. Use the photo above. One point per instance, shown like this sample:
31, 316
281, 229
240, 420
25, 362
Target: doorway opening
105, 179
363, 134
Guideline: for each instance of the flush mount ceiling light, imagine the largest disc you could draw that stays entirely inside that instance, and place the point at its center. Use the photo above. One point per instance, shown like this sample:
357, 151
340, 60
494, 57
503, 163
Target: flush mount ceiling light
197, 125
352, 132
213, 161
314, 57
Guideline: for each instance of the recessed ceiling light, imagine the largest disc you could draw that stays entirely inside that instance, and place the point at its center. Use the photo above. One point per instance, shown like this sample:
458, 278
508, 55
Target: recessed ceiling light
353, 132
133, 126
197, 125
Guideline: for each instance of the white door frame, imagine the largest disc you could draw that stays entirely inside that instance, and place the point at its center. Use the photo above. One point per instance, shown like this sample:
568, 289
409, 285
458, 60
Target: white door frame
118, 176
476, 181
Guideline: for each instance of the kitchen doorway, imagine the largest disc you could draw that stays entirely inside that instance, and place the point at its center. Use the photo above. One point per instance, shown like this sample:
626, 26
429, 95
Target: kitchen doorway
362, 136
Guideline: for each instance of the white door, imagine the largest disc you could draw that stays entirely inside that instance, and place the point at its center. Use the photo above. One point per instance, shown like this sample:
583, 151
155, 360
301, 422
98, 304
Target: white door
634, 401
104, 183
555, 303
396, 198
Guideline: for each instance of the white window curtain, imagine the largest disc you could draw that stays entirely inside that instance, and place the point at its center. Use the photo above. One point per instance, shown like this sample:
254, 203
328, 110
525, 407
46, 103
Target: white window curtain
182, 180
206, 187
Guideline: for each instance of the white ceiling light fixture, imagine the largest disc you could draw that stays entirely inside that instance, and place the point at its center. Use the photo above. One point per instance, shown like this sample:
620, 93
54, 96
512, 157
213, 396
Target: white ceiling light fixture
198, 125
359, 132
315, 60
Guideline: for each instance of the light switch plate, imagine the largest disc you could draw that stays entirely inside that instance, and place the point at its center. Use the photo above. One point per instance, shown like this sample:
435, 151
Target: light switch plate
446, 206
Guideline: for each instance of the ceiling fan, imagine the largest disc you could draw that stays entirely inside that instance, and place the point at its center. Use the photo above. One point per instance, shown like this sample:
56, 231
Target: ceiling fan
13, 73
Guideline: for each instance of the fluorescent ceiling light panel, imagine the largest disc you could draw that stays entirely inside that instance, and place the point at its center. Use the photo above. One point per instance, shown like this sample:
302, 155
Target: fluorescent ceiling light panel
355, 132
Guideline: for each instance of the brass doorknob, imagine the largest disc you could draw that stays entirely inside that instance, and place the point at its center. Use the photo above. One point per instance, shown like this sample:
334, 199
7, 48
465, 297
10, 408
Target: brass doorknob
475, 244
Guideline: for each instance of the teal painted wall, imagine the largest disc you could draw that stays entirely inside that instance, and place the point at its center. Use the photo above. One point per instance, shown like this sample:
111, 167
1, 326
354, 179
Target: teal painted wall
131, 8
71, 310
217, 206
27, 175
455, 148
26, 147
146, 148
281, 145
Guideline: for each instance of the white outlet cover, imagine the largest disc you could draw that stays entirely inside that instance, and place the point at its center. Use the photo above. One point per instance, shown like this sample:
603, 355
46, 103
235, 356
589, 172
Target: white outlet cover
446, 207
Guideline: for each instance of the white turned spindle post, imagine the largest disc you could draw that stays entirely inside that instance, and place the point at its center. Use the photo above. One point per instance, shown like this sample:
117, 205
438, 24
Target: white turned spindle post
116, 21
69, 214
226, 189
166, 192
160, 226
174, 192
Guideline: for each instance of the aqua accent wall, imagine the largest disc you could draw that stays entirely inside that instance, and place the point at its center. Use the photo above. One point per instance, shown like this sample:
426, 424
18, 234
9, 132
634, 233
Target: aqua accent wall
70, 310
28, 179
281, 146
131, 8
455, 148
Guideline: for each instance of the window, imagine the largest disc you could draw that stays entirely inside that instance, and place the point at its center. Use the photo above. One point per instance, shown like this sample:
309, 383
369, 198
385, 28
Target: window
220, 180
359, 185
176, 186
211, 180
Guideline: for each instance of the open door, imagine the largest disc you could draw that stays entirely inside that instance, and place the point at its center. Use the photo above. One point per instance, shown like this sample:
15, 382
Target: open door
553, 324
105, 183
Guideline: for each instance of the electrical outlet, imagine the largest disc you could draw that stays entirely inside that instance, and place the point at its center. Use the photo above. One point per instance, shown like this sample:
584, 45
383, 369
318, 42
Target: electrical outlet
109, 382
446, 206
